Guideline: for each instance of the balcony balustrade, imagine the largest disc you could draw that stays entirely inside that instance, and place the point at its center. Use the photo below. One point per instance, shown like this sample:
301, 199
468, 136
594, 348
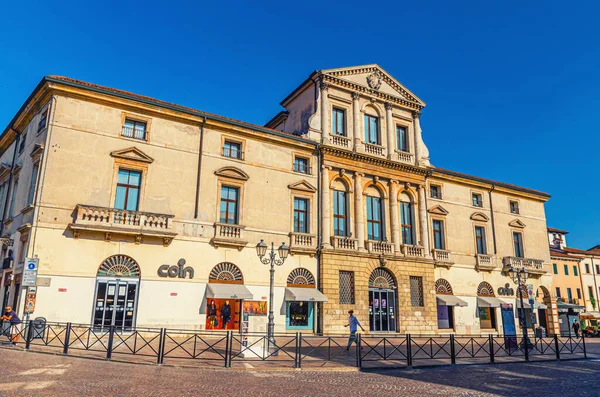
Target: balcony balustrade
533, 266
485, 262
405, 157
302, 242
340, 140
344, 243
442, 258
227, 234
379, 247
372, 148
415, 251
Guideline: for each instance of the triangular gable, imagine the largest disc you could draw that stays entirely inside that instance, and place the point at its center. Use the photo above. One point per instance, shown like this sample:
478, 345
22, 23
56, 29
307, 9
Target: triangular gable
375, 78
303, 186
233, 173
478, 216
438, 210
516, 223
133, 154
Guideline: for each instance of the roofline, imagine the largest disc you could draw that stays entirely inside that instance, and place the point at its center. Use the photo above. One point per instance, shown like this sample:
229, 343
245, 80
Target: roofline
295, 90
277, 116
22, 108
491, 182
553, 229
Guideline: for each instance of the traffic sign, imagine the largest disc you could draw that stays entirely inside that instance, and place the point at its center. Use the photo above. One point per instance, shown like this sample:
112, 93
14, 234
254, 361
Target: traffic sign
30, 271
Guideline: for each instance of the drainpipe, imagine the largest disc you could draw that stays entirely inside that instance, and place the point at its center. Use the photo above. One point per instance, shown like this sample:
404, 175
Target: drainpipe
10, 178
199, 168
595, 284
492, 217
427, 175
319, 237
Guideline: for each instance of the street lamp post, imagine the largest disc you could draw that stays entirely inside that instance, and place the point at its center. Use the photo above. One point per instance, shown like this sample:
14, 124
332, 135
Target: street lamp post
519, 277
271, 259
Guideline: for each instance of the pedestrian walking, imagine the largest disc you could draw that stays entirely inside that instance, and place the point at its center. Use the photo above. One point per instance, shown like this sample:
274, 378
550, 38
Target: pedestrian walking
15, 321
576, 327
353, 323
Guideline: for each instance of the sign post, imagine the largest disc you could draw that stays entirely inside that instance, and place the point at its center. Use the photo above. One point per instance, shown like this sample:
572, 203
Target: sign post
30, 271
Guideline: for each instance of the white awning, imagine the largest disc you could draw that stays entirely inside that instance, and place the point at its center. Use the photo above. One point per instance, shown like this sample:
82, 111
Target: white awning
590, 316
488, 301
450, 300
565, 307
228, 291
536, 305
304, 295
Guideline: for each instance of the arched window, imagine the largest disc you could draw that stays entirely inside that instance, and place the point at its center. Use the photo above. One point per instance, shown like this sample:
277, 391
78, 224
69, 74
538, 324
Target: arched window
300, 277
443, 287
119, 266
381, 278
375, 225
485, 289
226, 272
407, 219
341, 209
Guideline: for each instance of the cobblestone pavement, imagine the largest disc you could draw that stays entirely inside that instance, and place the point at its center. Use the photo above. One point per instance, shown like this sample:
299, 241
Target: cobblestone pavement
36, 374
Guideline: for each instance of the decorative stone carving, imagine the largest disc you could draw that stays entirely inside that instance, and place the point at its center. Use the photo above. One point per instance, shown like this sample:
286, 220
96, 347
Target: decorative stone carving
416, 114
355, 95
324, 86
388, 106
374, 80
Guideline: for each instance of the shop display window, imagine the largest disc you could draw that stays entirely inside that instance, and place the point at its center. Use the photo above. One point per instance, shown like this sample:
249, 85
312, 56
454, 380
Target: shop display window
223, 314
487, 317
445, 317
299, 315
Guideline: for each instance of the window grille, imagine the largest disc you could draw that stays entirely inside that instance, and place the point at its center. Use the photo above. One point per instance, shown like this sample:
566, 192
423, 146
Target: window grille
416, 291
346, 287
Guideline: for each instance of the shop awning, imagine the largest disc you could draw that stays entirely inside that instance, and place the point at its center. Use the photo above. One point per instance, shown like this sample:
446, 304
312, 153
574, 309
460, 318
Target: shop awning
450, 300
536, 305
590, 316
564, 307
488, 301
304, 295
228, 291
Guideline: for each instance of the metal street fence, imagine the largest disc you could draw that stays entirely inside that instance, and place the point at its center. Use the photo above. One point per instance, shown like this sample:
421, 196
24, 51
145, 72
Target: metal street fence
231, 349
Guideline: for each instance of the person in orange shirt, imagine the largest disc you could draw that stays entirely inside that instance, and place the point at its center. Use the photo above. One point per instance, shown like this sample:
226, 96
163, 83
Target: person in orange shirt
15, 321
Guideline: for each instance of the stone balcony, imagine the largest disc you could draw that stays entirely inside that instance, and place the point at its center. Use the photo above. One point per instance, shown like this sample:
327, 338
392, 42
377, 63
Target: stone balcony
229, 235
303, 243
485, 262
413, 251
404, 157
374, 149
121, 222
340, 140
344, 243
442, 258
533, 266
379, 247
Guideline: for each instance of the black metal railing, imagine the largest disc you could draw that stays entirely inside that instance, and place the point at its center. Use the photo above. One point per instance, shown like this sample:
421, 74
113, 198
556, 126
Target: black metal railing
230, 348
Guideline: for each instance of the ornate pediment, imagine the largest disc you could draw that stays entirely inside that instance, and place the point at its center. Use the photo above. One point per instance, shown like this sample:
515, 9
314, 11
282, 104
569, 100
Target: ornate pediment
438, 210
374, 78
479, 216
132, 154
232, 173
303, 186
516, 223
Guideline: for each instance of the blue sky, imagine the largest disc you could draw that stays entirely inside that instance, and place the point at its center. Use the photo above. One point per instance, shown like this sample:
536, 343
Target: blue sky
511, 87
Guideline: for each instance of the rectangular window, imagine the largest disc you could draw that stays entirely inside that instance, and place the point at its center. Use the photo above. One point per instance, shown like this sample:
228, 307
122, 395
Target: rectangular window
435, 192
566, 270
477, 200
590, 292
575, 273
32, 185
438, 235
13, 196
406, 220
558, 292
401, 139
480, 240
301, 165
22, 142
416, 291
518, 244
340, 217
569, 295
372, 130
3, 196
514, 207
555, 268
43, 121
229, 205
578, 293
300, 215
232, 150
128, 190
598, 270
587, 267
346, 288
374, 219
134, 129
338, 119
487, 317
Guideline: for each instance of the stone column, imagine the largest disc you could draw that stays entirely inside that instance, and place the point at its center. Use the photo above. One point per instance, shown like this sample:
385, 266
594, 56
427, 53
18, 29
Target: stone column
389, 122
325, 207
394, 215
423, 225
417, 138
325, 112
359, 216
357, 132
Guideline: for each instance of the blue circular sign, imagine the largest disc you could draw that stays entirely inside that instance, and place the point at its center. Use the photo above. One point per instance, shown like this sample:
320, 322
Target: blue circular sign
31, 266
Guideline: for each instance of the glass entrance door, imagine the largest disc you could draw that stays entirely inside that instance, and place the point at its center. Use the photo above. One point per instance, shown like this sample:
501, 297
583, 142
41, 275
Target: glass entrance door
115, 304
382, 310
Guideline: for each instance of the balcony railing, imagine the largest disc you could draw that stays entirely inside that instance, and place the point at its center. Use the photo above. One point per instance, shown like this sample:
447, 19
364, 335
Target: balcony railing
227, 234
533, 266
344, 243
442, 257
303, 242
115, 221
372, 148
380, 247
415, 251
405, 157
485, 262
340, 140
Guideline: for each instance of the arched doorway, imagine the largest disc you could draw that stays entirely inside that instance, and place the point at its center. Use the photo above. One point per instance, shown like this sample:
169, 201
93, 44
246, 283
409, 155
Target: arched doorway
545, 315
300, 298
446, 301
117, 285
382, 301
487, 304
225, 293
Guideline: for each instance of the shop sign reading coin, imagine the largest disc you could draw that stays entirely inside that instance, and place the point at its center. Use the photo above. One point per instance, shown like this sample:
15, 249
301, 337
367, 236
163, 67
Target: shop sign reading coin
179, 271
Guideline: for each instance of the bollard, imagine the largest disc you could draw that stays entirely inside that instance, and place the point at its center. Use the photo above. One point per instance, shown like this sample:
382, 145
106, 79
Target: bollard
556, 348
111, 336
452, 350
408, 350
67, 339
28, 336
491, 343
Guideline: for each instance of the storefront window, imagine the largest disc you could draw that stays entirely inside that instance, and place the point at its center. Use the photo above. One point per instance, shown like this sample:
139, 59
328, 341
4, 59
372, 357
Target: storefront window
445, 317
487, 317
299, 315
222, 314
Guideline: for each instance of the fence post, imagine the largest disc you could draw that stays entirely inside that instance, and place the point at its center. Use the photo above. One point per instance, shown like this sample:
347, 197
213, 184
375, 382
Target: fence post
452, 350
67, 339
111, 335
329, 348
526, 343
408, 351
299, 352
227, 349
583, 341
358, 348
28, 336
159, 353
230, 337
491, 342
556, 347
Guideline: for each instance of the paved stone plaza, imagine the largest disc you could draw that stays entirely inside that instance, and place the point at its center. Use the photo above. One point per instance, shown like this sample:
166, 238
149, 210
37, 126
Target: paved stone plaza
36, 374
